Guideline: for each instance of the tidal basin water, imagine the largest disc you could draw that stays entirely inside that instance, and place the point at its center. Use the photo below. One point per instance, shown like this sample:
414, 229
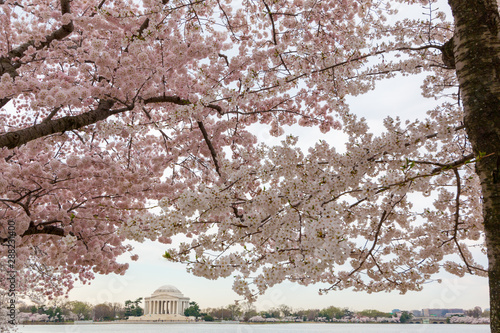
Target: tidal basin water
256, 328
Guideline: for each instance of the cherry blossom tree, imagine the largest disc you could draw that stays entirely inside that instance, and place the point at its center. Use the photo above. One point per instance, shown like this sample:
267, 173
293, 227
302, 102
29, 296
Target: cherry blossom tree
111, 109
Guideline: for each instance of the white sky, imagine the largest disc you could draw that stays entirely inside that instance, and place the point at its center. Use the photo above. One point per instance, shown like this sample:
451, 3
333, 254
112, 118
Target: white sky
399, 96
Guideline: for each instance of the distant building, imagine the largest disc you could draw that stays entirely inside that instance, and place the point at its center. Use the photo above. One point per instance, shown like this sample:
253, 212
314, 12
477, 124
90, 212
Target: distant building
166, 303
456, 311
416, 313
441, 312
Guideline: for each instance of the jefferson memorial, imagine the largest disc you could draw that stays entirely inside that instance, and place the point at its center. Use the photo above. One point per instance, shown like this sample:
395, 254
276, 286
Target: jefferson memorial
166, 303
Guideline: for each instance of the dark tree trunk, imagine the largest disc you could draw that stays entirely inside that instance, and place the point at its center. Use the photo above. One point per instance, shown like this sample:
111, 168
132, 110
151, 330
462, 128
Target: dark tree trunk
477, 61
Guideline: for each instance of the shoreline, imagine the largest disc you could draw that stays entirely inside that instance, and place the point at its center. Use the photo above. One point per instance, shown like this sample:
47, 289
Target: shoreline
121, 322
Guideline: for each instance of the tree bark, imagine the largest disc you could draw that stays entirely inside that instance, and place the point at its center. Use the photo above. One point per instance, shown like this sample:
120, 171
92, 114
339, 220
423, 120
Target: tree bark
48, 127
17, 138
477, 59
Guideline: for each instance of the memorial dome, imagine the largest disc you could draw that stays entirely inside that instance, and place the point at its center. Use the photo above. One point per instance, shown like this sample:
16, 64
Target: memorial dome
168, 289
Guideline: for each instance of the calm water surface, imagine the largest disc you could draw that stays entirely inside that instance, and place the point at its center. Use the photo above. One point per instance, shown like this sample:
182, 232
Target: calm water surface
254, 328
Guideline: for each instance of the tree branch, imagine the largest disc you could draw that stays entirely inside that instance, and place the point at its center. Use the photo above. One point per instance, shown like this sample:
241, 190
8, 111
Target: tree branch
457, 222
275, 42
58, 34
51, 115
345, 62
210, 146
179, 101
43, 229
17, 138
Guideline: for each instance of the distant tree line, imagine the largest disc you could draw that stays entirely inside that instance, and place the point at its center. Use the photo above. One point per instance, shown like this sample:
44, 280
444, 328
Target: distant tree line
58, 311
246, 311
477, 313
